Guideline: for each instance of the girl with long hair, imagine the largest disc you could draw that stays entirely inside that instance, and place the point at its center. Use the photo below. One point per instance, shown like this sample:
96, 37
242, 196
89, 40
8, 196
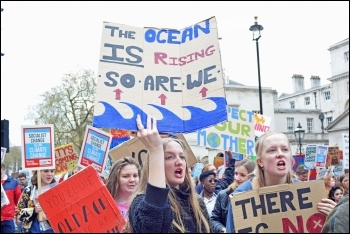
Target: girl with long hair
122, 181
166, 201
243, 172
273, 167
28, 208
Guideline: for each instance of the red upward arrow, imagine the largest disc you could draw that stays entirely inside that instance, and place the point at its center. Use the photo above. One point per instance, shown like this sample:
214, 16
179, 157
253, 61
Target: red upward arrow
162, 99
117, 94
203, 91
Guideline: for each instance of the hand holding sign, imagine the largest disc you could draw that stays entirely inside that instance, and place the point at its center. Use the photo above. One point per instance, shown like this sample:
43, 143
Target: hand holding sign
326, 206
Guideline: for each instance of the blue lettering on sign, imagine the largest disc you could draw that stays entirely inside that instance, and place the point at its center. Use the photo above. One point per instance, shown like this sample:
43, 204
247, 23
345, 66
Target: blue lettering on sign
214, 140
175, 36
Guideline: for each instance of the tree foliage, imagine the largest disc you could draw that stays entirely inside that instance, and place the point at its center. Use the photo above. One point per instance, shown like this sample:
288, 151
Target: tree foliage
69, 107
13, 160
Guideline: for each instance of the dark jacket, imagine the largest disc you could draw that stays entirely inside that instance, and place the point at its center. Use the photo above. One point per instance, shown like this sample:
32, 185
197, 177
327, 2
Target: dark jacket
151, 212
219, 213
338, 220
227, 179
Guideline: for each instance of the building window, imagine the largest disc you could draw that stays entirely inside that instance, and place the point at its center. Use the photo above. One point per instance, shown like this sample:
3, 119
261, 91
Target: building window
329, 120
310, 125
307, 101
346, 56
292, 105
327, 95
290, 124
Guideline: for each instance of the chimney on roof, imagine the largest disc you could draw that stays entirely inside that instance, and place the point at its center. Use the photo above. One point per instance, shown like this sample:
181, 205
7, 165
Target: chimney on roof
298, 83
315, 81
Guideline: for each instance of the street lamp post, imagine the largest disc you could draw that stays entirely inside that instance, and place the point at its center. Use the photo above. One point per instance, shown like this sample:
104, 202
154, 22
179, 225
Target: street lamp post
299, 134
256, 29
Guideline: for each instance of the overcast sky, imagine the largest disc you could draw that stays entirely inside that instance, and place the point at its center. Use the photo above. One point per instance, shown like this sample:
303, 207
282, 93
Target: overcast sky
42, 41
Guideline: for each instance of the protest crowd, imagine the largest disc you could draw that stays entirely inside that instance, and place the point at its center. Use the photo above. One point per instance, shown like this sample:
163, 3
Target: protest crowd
163, 196
152, 182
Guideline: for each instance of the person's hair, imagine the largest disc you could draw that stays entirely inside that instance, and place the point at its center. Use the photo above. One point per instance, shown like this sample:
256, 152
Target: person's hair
205, 175
342, 177
22, 175
206, 167
327, 180
301, 170
34, 179
76, 167
112, 182
249, 166
187, 185
332, 191
259, 172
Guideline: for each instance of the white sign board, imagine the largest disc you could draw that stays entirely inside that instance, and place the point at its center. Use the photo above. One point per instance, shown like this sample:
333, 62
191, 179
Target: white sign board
310, 157
38, 147
237, 134
173, 75
94, 150
3, 153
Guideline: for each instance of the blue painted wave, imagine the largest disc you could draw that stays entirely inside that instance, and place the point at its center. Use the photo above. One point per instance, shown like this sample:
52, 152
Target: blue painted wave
171, 123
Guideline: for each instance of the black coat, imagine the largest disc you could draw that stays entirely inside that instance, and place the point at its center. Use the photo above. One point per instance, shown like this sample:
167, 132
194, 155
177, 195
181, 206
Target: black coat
219, 213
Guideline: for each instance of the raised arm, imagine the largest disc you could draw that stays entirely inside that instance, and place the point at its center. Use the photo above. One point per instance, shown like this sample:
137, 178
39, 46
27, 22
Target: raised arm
229, 174
150, 137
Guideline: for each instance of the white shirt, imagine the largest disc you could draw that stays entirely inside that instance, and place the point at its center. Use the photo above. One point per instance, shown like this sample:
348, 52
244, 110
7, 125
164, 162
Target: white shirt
210, 203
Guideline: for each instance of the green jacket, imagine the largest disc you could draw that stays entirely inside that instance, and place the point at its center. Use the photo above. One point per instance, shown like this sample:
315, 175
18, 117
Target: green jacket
338, 220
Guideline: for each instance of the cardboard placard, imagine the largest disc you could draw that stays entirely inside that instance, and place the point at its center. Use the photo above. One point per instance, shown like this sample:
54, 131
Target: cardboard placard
94, 150
237, 134
218, 161
321, 173
38, 147
237, 156
262, 124
310, 156
3, 153
66, 158
333, 156
136, 149
197, 170
82, 204
176, 74
321, 156
282, 209
338, 169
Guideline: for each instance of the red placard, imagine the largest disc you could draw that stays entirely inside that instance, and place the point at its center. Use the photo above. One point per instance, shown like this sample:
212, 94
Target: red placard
82, 203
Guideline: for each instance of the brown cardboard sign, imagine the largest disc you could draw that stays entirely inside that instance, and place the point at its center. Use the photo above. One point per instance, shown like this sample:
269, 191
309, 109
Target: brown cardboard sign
173, 75
333, 156
66, 158
136, 149
283, 208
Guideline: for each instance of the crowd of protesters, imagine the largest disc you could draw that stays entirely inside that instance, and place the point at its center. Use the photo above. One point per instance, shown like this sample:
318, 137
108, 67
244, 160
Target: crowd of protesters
163, 191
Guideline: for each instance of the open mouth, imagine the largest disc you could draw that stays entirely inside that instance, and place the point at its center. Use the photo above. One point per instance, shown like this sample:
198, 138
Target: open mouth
281, 165
179, 172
